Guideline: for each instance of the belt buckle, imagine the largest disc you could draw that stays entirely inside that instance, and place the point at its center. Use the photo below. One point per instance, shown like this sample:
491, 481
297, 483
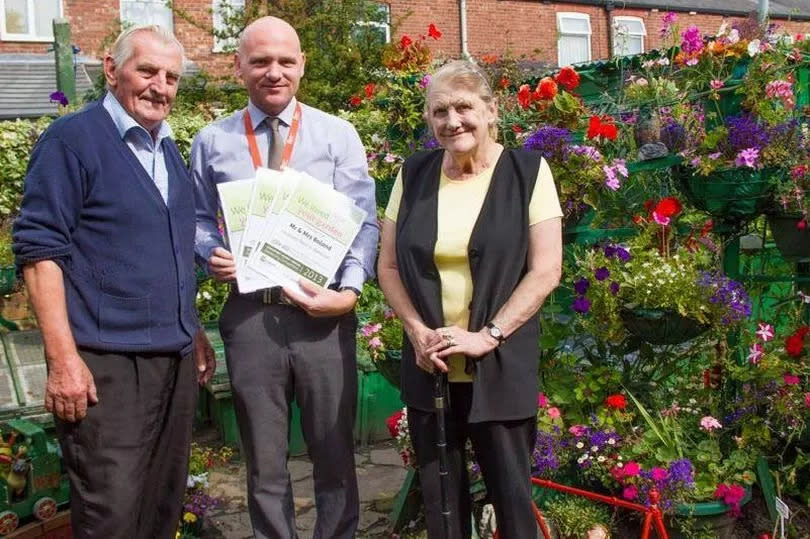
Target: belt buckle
267, 296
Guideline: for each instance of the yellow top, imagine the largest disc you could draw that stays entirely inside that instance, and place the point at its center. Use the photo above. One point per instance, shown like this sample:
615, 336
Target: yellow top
459, 204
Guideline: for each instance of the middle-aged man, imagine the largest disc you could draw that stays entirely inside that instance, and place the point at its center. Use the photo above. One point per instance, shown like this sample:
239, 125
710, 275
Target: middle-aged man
105, 239
281, 345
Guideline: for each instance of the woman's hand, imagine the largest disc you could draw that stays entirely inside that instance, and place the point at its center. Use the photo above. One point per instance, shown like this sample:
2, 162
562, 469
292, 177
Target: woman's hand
423, 340
456, 340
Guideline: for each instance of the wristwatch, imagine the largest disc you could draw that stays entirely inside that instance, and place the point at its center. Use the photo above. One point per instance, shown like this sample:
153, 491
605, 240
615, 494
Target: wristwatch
496, 333
353, 289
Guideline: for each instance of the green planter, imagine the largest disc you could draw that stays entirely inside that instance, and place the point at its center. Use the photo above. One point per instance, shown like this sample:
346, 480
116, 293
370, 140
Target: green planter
704, 519
791, 242
389, 367
8, 277
661, 326
730, 195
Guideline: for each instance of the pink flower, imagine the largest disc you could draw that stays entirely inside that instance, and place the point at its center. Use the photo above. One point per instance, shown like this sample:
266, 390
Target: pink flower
370, 329
747, 158
765, 332
660, 219
658, 474
755, 353
708, 423
375, 343
577, 430
542, 400
731, 495
667, 22
630, 492
790, 380
390, 314
554, 412
631, 468
807, 399
716, 84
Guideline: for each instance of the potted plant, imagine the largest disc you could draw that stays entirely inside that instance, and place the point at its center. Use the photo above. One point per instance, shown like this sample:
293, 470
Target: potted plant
380, 336
788, 223
197, 502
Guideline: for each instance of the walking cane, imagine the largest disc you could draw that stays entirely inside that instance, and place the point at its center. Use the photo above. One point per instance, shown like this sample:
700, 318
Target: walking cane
439, 388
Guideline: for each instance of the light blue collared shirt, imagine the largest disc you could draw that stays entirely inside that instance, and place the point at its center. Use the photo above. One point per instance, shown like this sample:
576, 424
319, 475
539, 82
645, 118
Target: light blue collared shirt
148, 151
326, 147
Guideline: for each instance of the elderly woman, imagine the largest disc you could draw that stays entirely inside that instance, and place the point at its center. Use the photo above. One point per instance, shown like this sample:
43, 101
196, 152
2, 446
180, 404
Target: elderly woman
471, 248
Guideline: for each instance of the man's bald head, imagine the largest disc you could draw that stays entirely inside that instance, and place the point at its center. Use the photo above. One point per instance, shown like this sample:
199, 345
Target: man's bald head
270, 63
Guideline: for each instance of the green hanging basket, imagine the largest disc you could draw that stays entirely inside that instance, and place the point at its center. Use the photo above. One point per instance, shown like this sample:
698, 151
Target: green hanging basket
8, 278
730, 195
661, 326
792, 242
389, 366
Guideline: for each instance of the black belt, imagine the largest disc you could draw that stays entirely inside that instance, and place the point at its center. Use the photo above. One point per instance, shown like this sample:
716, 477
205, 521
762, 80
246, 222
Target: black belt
267, 296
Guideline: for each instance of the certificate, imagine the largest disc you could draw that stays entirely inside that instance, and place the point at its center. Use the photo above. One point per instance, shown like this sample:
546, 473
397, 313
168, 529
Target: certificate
310, 235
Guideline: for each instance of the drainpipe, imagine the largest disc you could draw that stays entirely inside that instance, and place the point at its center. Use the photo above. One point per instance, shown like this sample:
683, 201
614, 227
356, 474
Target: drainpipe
609, 7
763, 11
462, 9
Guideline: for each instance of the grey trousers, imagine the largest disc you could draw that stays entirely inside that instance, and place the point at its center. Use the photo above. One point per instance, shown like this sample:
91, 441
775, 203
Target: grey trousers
127, 461
276, 353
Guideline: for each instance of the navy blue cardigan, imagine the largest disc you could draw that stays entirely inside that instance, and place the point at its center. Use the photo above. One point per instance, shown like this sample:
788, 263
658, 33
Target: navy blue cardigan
127, 258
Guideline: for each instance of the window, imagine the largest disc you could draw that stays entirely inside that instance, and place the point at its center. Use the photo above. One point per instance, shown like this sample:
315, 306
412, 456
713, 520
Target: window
574, 38
628, 36
222, 11
378, 29
28, 20
142, 12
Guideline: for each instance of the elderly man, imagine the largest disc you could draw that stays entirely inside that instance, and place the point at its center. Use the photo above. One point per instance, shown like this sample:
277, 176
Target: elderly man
105, 241
280, 344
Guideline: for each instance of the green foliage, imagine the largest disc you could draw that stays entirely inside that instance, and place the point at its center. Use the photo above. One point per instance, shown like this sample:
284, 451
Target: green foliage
340, 52
574, 517
211, 296
185, 126
6, 256
17, 139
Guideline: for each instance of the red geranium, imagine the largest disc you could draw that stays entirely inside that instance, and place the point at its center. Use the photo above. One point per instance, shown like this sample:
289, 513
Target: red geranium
355, 100
546, 88
617, 402
369, 89
668, 207
392, 422
597, 128
434, 32
524, 96
405, 42
504, 82
568, 78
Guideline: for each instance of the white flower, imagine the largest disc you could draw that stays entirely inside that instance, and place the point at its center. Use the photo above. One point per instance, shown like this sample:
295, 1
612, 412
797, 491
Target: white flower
734, 36
601, 458
594, 448
753, 48
199, 480
580, 445
611, 441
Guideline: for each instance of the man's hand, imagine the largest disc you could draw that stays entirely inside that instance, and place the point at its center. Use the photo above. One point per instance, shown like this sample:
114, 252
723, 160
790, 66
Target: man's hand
222, 265
70, 388
204, 357
321, 302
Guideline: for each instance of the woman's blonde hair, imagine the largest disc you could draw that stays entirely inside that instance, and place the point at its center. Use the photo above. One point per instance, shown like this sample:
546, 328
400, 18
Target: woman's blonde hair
462, 74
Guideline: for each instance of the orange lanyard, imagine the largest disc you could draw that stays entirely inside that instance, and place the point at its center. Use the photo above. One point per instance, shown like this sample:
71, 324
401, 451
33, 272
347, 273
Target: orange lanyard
286, 154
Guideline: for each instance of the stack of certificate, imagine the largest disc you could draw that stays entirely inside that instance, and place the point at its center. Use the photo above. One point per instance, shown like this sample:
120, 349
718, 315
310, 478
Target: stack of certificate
283, 226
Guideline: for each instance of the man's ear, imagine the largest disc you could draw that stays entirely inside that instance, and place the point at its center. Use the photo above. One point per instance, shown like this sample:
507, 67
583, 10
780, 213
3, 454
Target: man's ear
303, 63
109, 72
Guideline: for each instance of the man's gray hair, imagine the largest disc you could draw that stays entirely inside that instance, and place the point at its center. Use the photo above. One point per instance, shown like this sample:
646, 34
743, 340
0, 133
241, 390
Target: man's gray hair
124, 46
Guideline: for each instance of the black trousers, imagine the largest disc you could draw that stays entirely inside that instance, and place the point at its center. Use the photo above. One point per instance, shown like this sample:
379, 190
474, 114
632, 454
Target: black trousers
128, 459
502, 449
277, 353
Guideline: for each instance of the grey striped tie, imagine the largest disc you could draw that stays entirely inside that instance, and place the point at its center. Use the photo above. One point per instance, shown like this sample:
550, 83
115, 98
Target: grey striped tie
276, 146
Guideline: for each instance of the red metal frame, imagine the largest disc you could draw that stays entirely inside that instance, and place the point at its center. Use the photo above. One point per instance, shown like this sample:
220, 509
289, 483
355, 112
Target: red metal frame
652, 514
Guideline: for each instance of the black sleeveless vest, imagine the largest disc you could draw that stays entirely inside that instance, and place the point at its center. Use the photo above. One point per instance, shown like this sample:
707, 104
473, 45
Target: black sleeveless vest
505, 381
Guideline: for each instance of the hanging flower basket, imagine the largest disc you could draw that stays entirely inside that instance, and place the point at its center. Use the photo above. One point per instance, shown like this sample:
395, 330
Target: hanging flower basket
8, 277
792, 242
661, 326
735, 195
389, 366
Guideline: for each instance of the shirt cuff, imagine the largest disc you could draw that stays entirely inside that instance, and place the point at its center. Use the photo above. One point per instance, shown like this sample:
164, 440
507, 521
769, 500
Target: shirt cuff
353, 276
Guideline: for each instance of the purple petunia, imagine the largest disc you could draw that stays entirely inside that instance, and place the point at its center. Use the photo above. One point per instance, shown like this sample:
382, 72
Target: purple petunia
551, 142
601, 273
581, 305
59, 97
614, 287
744, 132
581, 286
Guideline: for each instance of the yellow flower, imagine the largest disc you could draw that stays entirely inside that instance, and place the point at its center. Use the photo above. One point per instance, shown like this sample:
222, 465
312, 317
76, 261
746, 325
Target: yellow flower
189, 517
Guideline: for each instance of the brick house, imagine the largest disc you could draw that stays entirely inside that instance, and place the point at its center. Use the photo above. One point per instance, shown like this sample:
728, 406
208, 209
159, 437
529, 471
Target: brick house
556, 33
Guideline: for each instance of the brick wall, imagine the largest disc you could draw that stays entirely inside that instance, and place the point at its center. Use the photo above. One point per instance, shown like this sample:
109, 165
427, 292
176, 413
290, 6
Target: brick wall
520, 27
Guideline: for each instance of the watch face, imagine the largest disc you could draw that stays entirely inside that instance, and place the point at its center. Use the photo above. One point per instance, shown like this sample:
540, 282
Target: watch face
495, 331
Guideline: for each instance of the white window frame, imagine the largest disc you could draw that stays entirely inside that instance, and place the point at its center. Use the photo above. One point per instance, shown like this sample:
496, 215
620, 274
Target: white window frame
573, 15
618, 21
7, 36
385, 26
121, 11
222, 45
